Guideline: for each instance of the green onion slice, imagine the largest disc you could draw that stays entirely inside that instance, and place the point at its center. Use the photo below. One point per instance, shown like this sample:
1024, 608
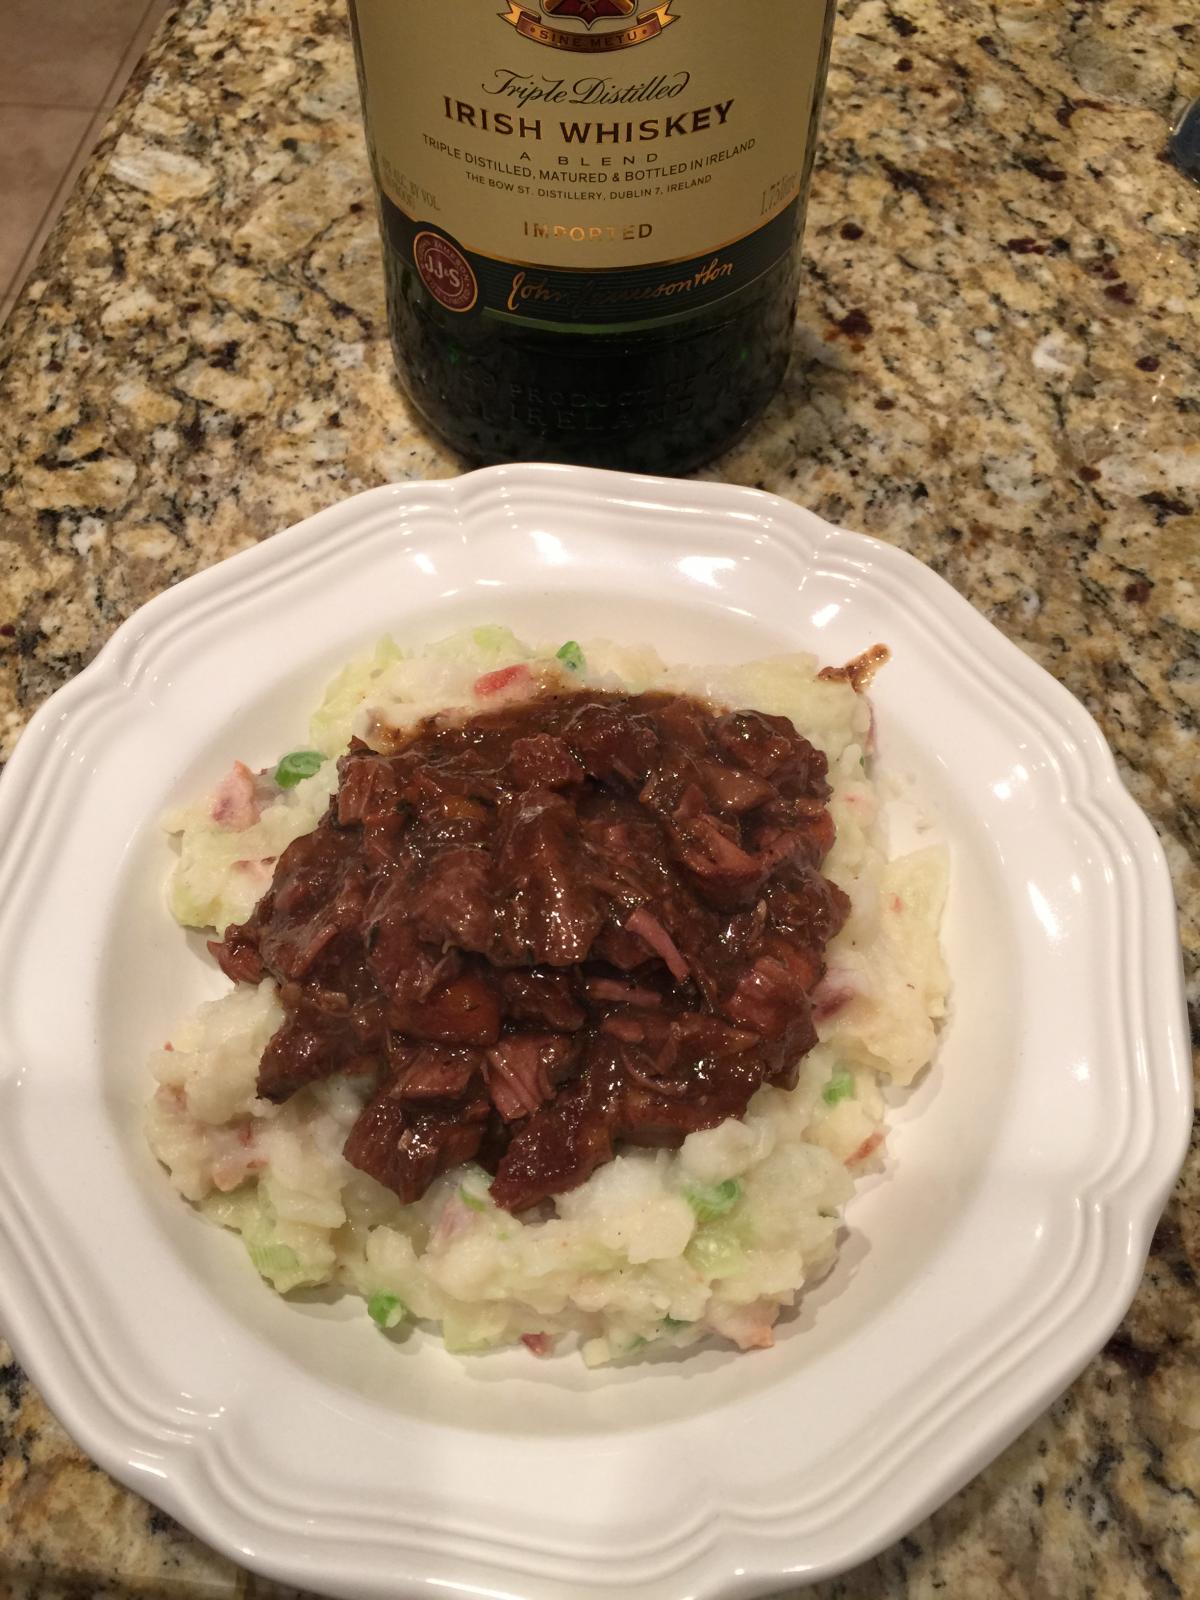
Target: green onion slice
839, 1087
295, 765
713, 1200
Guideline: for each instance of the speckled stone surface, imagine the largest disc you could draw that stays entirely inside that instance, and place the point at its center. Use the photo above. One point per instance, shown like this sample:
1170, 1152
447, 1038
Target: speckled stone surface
998, 368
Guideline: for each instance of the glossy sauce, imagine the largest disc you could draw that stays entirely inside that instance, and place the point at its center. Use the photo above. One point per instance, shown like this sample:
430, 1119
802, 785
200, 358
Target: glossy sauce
576, 921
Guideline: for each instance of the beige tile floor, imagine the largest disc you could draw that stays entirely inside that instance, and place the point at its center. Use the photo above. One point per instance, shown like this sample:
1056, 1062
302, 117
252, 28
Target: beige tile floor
63, 64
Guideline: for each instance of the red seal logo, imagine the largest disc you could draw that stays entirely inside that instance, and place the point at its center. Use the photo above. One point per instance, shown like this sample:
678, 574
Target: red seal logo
445, 272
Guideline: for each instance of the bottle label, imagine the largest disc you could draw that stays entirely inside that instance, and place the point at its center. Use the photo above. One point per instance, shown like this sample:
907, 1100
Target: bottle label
591, 163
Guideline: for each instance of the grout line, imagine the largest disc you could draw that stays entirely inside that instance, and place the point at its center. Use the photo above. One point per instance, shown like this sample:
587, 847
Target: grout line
62, 190
139, 41
48, 105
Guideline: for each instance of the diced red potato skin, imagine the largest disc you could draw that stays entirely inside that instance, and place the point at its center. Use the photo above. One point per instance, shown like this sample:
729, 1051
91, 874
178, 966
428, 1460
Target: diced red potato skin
231, 1151
750, 1327
503, 678
455, 1220
761, 1339
867, 1148
231, 1171
235, 800
550, 871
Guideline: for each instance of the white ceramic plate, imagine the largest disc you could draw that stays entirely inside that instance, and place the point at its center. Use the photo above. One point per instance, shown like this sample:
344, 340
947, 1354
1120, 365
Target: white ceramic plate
1025, 1172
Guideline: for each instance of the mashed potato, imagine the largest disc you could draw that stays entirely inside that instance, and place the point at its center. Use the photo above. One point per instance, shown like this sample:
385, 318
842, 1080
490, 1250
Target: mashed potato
657, 1246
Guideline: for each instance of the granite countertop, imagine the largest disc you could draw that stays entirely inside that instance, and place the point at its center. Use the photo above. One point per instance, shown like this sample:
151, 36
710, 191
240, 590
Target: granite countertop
998, 368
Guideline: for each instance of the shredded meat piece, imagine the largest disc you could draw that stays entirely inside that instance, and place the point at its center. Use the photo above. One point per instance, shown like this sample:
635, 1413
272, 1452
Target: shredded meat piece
523, 1070
544, 998
650, 930
572, 922
406, 1148
434, 1072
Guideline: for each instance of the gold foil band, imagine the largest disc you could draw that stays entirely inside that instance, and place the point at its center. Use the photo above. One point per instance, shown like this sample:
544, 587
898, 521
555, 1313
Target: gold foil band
648, 26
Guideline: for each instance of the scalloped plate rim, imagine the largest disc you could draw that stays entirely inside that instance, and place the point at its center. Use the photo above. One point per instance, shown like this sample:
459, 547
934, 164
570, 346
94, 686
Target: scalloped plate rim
1138, 1205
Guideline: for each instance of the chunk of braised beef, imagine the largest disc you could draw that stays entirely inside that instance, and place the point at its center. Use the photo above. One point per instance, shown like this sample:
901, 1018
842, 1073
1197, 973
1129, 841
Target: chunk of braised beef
612, 743
331, 1006
800, 829
663, 1121
465, 1009
434, 1072
238, 956
710, 849
776, 845
716, 1071
819, 836
542, 761
771, 992
782, 1056
564, 1141
400, 965
770, 748
543, 997
366, 785
807, 907
450, 901
620, 948
447, 809
621, 858
406, 1148
303, 1049
730, 789
551, 912
294, 949
674, 789
698, 1048
384, 841
524, 1070
316, 892
675, 1054
619, 991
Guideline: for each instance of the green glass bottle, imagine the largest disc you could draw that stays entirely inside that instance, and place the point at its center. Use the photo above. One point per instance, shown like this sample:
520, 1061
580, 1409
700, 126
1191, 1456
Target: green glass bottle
591, 216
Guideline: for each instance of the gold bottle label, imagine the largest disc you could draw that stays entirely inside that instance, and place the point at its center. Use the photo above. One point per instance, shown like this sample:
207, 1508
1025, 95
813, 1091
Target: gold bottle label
590, 162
